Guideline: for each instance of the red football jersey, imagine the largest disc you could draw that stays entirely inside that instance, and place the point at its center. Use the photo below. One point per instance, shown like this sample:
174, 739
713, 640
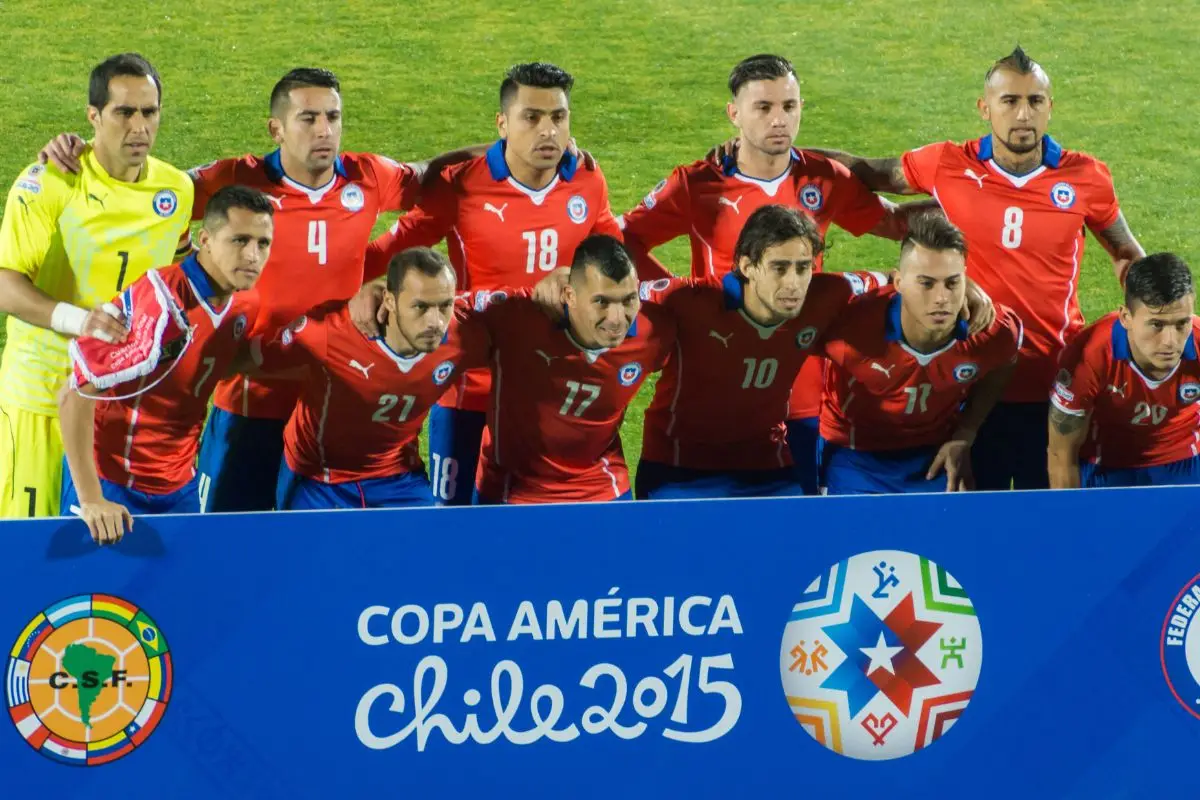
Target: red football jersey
709, 205
1025, 237
149, 442
1136, 422
321, 236
722, 398
880, 394
362, 407
554, 419
500, 232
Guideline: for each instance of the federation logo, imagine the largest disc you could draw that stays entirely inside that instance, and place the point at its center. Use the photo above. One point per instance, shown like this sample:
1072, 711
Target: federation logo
88, 680
352, 197
965, 373
35, 170
442, 372
1180, 648
483, 299
647, 288
881, 655
299, 324
1062, 194
650, 200
806, 337
1189, 391
165, 202
577, 209
629, 374
239, 327
811, 197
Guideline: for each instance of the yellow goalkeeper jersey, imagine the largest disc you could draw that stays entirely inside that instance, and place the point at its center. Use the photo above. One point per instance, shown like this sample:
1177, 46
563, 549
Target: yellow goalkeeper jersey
81, 239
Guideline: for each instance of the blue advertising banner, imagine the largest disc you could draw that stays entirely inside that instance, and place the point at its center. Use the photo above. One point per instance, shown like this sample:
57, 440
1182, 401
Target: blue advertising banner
974, 645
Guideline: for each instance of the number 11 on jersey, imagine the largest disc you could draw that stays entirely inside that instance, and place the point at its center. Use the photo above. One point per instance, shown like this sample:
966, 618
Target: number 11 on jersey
318, 242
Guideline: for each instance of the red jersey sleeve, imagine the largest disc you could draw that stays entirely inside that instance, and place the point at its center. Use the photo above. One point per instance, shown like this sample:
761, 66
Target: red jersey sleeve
425, 226
856, 209
664, 214
999, 342
1078, 382
921, 165
605, 222
470, 326
304, 341
208, 179
1103, 208
399, 184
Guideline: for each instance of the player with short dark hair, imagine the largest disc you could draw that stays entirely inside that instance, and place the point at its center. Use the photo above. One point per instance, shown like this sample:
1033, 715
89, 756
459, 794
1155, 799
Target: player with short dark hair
67, 243
1125, 398
1023, 202
709, 202
508, 217
908, 387
560, 389
131, 421
352, 441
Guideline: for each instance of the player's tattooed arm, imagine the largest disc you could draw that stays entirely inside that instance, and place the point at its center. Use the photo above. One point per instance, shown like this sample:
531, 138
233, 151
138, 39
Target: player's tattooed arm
1122, 246
894, 224
879, 174
1067, 434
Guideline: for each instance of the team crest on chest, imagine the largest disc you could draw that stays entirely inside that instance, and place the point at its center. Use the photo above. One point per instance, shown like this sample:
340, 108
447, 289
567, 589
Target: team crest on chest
239, 327
811, 197
1189, 391
1062, 194
629, 374
443, 372
353, 198
165, 202
806, 337
577, 209
964, 373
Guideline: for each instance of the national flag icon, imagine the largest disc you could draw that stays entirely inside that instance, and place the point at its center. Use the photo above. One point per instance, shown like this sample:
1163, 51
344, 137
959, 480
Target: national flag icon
147, 633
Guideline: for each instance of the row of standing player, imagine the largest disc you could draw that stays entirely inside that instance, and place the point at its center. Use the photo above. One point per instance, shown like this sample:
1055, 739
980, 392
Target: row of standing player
1042, 198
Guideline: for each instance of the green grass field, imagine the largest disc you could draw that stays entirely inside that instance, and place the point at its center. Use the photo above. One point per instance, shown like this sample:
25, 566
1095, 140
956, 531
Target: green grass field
877, 77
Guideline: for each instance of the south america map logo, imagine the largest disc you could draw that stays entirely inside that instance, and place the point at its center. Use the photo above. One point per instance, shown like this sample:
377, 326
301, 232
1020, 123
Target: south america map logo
1180, 647
881, 655
88, 680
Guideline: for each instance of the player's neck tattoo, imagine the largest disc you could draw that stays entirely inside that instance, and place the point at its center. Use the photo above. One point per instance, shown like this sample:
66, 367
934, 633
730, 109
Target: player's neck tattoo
1019, 165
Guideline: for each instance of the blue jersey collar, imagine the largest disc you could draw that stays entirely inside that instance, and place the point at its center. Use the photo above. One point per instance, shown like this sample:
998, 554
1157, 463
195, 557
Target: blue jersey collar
1051, 150
1122, 352
498, 167
273, 163
734, 291
729, 167
894, 332
199, 278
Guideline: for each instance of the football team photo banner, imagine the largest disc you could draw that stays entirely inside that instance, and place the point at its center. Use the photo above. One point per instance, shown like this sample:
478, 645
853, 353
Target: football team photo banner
976, 645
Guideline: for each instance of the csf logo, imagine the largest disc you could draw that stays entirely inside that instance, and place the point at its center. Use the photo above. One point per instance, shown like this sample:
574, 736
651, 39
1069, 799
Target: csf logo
89, 679
1062, 194
629, 374
806, 337
647, 288
165, 202
965, 373
1179, 647
353, 198
442, 372
651, 199
484, 299
1188, 392
811, 197
577, 209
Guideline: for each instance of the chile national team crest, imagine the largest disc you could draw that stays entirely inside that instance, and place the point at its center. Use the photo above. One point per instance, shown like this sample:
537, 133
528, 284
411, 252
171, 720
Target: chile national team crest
806, 337
165, 202
577, 209
1188, 392
965, 373
239, 327
811, 197
442, 372
1062, 194
629, 374
352, 197
1180, 647
881, 655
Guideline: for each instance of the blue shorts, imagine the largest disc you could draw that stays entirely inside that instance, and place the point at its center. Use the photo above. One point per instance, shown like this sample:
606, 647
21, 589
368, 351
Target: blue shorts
239, 462
455, 437
657, 481
1010, 450
848, 471
802, 436
185, 500
294, 492
480, 500
1177, 473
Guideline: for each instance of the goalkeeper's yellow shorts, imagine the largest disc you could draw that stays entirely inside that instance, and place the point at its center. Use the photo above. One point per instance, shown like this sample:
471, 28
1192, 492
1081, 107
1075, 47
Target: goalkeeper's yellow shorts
31, 459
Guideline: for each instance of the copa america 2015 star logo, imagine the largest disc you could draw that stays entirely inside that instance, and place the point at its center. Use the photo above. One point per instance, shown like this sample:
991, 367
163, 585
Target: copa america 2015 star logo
1180, 647
881, 655
88, 680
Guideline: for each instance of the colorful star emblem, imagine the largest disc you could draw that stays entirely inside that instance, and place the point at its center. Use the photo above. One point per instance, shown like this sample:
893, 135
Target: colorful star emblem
881, 655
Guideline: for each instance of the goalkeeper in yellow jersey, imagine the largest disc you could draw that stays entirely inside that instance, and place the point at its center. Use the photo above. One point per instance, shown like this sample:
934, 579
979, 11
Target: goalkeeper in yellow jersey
68, 244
